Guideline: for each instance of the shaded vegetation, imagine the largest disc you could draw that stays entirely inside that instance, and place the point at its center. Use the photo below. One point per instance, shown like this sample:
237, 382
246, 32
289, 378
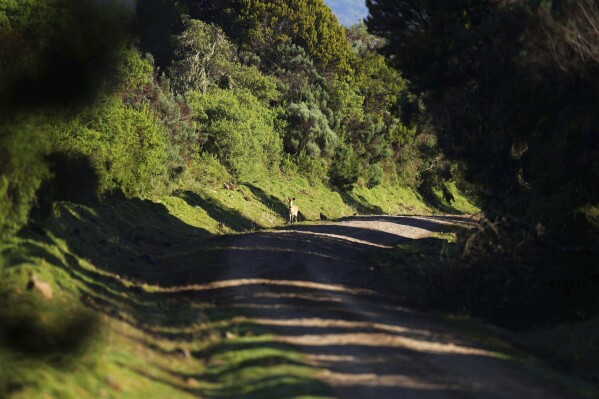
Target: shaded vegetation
510, 89
430, 274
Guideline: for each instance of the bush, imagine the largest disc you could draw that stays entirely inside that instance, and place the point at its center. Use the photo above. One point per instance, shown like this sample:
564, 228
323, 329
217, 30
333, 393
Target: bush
22, 169
309, 131
204, 170
407, 165
374, 175
345, 168
314, 169
127, 146
203, 55
238, 129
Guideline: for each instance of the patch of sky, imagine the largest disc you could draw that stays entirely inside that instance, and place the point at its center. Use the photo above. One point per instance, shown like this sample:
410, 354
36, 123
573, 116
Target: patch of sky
348, 12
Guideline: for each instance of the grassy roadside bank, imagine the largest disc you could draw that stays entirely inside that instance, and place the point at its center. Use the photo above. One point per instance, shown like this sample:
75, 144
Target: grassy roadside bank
117, 325
421, 274
113, 328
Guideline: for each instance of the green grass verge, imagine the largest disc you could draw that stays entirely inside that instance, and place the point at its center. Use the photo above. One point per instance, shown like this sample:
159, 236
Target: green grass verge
262, 202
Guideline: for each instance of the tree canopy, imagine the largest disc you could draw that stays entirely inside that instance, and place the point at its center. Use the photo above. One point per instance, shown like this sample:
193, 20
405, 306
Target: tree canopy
511, 90
263, 25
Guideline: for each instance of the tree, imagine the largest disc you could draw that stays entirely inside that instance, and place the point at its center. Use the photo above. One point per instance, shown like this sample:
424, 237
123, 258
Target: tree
47, 48
260, 25
510, 88
297, 73
203, 55
361, 42
345, 168
158, 21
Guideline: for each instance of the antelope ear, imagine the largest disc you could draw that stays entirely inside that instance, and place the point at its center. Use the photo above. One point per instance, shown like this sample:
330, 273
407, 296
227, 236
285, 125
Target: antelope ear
293, 199
288, 199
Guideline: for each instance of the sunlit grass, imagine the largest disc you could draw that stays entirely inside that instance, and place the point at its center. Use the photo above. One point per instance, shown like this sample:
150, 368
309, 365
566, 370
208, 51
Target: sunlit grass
460, 203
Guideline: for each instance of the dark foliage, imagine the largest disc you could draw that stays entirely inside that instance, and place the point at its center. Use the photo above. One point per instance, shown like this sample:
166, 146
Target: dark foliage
502, 102
510, 89
59, 52
158, 21
73, 178
345, 169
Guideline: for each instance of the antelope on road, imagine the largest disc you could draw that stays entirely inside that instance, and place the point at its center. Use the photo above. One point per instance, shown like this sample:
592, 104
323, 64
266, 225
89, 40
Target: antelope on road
292, 210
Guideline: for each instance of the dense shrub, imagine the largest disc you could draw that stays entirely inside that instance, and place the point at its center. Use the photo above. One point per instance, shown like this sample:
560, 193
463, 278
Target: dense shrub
238, 129
126, 145
203, 55
21, 168
298, 76
345, 168
46, 47
374, 175
309, 131
261, 25
315, 169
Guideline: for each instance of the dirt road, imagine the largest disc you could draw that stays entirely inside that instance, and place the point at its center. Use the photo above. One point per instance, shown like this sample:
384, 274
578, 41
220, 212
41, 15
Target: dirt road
314, 288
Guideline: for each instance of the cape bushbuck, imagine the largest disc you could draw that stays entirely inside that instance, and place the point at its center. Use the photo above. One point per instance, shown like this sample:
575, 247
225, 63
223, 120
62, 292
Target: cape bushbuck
292, 210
